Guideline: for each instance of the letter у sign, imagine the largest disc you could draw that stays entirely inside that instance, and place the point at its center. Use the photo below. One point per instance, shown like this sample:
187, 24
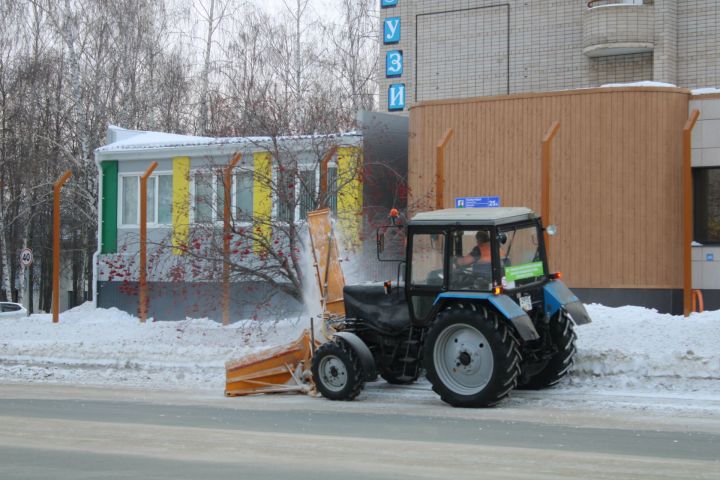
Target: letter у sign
393, 58
391, 30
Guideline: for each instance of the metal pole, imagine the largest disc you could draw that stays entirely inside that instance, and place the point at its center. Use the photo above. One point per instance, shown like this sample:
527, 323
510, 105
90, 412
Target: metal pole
227, 190
56, 245
440, 169
546, 155
143, 307
688, 211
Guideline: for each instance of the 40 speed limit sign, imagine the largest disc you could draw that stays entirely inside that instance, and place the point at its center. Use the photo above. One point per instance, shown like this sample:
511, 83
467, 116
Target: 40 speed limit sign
26, 257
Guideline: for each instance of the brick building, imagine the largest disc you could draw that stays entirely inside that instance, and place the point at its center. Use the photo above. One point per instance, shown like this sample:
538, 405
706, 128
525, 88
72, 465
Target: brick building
438, 49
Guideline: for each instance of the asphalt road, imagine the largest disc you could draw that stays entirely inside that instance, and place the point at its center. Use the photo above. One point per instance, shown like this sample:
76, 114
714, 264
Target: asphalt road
53, 432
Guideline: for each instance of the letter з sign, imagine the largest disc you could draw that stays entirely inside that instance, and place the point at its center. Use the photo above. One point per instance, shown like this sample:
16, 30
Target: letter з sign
393, 63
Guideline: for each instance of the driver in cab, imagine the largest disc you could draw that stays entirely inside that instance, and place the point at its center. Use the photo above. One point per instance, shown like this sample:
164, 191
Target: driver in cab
480, 254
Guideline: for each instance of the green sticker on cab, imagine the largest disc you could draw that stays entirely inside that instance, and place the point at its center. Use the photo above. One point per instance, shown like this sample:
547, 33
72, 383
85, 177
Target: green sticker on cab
526, 270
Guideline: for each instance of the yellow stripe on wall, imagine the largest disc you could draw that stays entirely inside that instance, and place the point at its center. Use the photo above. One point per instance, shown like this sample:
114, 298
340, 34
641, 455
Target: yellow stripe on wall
181, 204
262, 199
349, 196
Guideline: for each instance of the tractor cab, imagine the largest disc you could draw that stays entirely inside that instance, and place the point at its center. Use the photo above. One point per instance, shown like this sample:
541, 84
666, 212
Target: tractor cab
456, 252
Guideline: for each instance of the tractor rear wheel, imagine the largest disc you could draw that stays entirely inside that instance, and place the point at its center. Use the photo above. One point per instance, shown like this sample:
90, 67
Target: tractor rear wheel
471, 358
562, 336
336, 371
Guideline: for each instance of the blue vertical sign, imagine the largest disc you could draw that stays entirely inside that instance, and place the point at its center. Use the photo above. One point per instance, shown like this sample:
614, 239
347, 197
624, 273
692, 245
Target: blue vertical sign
388, 3
394, 63
391, 30
396, 97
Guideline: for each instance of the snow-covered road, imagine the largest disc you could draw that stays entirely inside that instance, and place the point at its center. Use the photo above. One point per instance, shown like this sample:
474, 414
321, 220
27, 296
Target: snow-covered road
629, 357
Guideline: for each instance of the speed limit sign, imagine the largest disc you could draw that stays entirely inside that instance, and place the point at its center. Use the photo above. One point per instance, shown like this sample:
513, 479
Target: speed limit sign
26, 257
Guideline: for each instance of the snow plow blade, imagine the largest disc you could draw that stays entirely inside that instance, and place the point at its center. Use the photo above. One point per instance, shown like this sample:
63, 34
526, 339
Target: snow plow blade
288, 368
276, 370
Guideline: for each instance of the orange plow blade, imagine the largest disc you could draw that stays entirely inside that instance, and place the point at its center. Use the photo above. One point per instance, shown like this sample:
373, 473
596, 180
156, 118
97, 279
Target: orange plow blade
287, 368
279, 369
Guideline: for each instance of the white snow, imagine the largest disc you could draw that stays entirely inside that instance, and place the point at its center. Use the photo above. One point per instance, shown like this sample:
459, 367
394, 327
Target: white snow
627, 351
639, 84
142, 140
705, 91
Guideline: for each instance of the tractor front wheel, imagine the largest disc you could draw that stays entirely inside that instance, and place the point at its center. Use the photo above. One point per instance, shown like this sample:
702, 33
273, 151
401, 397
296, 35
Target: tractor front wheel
472, 359
336, 371
562, 337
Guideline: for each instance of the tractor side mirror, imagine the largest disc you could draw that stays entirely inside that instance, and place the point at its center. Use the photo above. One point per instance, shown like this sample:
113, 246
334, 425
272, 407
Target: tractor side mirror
551, 230
502, 238
390, 242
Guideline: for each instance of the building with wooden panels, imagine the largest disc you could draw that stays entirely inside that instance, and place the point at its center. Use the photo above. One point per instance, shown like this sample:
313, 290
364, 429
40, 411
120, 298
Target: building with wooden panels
616, 179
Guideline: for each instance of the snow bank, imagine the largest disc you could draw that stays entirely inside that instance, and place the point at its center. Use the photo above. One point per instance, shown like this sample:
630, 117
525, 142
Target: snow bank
638, 348
107, 346
628, 349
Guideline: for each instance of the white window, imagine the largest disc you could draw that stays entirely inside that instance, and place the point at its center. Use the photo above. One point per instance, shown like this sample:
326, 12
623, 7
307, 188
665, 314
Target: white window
332, 188
130, 200
159, 200
244, 196
209, 196
308, 192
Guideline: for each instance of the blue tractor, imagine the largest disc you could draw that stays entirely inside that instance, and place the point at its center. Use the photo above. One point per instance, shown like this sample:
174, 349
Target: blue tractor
478, 311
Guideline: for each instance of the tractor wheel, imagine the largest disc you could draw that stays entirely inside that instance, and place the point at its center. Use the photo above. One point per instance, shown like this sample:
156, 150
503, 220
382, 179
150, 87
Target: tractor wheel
336, 371
471, 357
562, 336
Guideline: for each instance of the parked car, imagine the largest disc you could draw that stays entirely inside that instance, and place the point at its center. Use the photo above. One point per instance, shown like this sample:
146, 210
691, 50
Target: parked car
12, 310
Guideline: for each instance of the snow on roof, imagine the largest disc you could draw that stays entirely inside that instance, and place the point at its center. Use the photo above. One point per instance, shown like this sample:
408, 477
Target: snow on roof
639, 84
470, 215
136, 140
705, 91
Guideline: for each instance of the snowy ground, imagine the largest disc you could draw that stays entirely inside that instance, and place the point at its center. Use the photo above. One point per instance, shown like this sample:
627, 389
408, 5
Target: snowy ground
658, 361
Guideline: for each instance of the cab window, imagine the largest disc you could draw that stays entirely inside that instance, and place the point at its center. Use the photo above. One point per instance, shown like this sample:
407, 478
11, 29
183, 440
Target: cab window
427, 259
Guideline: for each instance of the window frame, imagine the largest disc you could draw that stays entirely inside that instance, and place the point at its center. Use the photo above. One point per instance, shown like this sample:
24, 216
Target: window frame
216, 188
708, 240
156, 199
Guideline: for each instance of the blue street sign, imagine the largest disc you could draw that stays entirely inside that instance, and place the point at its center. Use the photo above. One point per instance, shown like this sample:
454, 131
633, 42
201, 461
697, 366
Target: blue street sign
709, 257
394, 63
391, 30
388, 3
477, 202
396, 96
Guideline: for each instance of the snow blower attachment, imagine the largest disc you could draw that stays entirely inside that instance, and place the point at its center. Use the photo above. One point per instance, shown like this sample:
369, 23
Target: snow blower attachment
287, 368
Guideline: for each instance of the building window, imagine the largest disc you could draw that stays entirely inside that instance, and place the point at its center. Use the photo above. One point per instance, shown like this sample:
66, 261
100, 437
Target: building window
130, 200
307, 192
244, 196
332, 188
706, 188
159, 200
209, 197
286, 179
204, 197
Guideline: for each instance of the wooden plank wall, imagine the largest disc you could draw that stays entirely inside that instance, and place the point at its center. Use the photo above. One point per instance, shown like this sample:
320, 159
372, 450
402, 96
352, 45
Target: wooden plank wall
615, 175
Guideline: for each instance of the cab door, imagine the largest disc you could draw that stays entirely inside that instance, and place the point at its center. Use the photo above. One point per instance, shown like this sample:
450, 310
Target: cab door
427, 271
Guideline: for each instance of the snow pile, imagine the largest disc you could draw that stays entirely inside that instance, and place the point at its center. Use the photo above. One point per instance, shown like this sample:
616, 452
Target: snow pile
640, 349
107, 346
628, 349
